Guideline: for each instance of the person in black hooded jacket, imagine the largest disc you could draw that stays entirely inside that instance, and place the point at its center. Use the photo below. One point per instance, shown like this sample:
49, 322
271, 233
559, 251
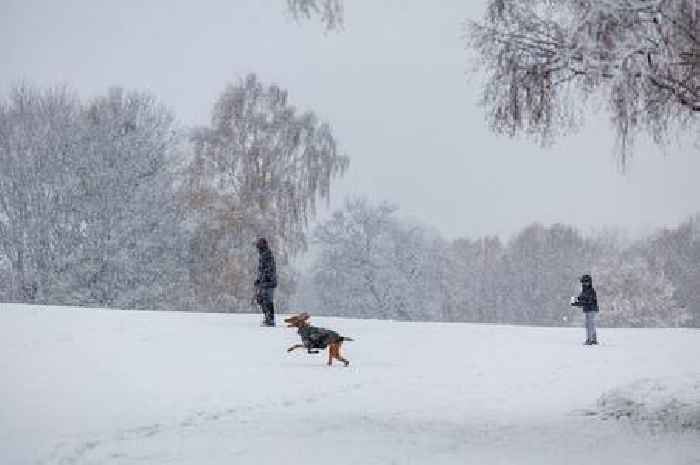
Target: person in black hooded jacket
588, 301
266, 281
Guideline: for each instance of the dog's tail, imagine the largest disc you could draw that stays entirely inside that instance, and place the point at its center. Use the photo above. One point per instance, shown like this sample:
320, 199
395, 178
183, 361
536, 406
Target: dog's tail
343, 339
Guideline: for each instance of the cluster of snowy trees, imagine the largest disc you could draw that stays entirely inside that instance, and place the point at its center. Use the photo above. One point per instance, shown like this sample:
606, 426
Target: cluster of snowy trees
86, 215
370, 264
107, 202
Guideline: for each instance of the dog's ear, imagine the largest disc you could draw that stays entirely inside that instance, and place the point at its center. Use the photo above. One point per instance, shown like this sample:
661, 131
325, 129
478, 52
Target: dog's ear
295, 320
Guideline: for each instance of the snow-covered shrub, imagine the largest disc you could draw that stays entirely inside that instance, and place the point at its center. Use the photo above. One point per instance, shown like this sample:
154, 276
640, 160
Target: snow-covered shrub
631, 293
658, 404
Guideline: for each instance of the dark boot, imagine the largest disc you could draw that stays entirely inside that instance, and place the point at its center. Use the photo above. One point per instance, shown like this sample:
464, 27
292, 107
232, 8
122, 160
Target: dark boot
269, 310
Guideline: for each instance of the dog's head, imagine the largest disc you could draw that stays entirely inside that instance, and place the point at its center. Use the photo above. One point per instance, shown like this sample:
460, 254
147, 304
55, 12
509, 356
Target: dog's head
297, 321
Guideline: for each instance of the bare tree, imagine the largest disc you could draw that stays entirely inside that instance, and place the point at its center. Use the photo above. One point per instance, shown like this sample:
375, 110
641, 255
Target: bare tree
257, 171
544, 58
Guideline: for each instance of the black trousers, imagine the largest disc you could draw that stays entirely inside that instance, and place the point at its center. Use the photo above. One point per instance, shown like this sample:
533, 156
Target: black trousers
264, 297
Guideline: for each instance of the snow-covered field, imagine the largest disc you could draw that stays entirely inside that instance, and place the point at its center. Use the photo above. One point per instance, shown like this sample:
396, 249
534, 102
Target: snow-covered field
83, 386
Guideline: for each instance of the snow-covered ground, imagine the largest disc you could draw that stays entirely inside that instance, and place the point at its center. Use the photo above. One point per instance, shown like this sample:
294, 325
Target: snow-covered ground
84, 386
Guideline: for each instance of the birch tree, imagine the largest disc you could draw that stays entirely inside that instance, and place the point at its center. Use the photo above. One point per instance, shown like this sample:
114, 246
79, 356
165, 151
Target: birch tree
258, 170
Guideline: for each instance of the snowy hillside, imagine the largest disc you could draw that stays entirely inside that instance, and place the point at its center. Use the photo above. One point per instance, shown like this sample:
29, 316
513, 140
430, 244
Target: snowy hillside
82, 386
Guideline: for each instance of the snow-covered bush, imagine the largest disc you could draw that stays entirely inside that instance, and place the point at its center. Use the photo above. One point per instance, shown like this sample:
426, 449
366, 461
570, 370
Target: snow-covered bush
671, 404
631, 293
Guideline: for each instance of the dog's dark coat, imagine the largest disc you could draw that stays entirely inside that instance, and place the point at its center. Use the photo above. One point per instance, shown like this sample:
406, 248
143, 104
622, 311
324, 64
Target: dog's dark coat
317, 338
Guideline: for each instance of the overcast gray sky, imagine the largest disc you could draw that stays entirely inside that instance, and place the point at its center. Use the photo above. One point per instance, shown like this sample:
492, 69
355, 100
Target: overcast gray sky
393, 86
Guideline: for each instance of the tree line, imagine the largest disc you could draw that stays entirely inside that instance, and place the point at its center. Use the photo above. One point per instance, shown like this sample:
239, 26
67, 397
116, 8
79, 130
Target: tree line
108, 202
371, 264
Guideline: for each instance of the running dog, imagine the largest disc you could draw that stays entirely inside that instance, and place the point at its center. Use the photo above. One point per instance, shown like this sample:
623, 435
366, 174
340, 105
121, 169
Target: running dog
313, 338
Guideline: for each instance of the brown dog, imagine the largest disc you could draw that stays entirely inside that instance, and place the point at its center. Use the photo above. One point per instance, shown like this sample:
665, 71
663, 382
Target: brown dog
314, 338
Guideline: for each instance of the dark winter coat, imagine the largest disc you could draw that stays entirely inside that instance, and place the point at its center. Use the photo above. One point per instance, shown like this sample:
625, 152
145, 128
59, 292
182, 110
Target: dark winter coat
267, 271
587, 299
317, 338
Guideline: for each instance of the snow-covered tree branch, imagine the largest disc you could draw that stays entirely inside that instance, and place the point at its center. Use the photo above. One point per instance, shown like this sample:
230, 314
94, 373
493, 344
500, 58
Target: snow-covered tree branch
544, 58
329, 11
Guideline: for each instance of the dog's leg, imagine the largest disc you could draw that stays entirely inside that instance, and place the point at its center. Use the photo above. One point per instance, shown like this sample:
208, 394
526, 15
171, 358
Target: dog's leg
295, 346
339, 357
334, 353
